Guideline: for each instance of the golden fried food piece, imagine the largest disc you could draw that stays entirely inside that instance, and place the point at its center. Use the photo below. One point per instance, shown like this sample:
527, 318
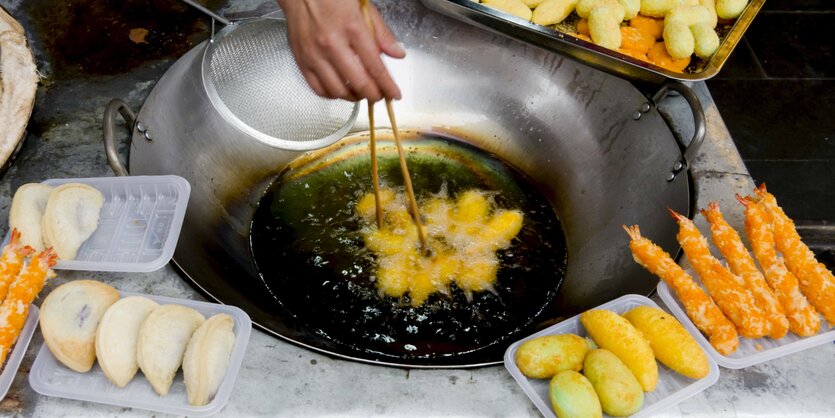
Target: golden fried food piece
583, 27
730, 9
726, 288
658, 55
604, 18
634, 54
741, 264
635, 40
463, 237
514, 7
617, 388
551, 12
573, 396
689, 30
803, 319
544, 357
647, 25
816, 281
660, 8
614, 333
711, 7
671, 344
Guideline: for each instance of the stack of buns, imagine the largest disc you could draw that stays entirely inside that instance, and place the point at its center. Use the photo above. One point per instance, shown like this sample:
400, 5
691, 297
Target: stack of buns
60, 217
85, 320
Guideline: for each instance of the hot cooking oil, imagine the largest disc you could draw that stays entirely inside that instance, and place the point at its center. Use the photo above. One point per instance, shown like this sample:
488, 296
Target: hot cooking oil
309, 242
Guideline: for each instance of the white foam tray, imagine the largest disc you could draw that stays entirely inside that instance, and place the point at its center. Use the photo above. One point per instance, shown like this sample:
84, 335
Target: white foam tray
139, 224
51, 378
750, 351
672, 387
15, 357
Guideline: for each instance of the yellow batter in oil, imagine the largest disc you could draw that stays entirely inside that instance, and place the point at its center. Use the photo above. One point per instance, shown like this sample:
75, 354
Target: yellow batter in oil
463, 236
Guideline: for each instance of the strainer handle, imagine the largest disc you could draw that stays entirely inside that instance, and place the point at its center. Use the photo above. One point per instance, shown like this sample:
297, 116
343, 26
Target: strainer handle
116, 107
700, 125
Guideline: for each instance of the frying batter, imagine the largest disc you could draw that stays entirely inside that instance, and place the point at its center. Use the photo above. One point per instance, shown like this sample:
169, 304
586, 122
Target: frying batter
463, 236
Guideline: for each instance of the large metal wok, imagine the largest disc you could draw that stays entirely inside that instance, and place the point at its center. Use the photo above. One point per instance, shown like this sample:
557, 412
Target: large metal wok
595, 145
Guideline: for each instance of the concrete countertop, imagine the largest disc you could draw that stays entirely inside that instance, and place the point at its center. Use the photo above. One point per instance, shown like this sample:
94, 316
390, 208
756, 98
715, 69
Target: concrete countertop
280, 379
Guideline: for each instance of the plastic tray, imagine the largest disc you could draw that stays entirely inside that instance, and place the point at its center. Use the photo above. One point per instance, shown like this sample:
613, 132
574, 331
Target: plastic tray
672, 387
139, 223
750, 351
51, 378
18, 351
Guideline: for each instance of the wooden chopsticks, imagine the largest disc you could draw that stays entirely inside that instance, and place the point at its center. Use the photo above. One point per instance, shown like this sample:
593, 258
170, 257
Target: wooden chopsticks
407, 179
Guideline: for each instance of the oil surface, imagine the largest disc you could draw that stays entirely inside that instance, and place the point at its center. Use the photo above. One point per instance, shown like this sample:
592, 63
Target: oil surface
308, 248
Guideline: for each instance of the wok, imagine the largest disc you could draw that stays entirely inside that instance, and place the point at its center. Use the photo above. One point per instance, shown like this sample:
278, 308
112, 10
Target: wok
595, 146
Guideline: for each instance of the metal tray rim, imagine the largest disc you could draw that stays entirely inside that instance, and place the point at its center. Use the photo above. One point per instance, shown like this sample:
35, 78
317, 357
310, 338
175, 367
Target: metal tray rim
588, 53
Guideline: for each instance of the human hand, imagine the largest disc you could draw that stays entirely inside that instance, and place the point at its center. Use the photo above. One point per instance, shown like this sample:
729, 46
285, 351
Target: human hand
336, 51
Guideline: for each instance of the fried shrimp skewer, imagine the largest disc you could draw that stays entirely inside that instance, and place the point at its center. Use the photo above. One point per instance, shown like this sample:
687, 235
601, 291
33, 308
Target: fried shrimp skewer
11, 262
701, 309
15, 307
741, 264
803, 319
816, 281
722, 285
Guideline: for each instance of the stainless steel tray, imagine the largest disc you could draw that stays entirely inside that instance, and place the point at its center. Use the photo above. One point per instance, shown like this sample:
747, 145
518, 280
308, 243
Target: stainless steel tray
588, 53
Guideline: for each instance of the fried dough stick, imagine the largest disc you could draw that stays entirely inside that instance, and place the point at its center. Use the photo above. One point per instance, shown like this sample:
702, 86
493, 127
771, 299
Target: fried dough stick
803, 319
723, 286
23, 291
11, 262
816, 281
701, 309
742, 265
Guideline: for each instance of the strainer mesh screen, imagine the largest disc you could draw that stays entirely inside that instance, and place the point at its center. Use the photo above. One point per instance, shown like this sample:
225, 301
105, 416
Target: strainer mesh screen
256, 78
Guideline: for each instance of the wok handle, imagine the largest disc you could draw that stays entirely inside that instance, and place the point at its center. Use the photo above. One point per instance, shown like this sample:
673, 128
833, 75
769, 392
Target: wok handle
116, 107
700, 125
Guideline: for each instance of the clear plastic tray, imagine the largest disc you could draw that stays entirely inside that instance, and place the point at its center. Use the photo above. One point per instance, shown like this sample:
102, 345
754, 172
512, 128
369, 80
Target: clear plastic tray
51, 378
139, 224
672, 387
750, 351
18, 351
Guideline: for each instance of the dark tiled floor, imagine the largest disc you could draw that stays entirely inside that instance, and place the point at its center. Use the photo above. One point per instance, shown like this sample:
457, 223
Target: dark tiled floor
777, 97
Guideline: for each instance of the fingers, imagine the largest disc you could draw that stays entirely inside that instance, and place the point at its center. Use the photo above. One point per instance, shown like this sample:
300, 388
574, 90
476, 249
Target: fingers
314, 82
338, 55
334, 85
359, 81
366, 48
388, 43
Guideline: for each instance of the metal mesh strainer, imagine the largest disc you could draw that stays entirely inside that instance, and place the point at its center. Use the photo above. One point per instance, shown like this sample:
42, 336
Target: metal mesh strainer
252, 80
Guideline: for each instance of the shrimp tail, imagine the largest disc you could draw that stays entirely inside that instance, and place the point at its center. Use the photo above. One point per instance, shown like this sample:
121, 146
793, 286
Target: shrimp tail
677, 216
711, 207
744, 200
14, 244
633, 231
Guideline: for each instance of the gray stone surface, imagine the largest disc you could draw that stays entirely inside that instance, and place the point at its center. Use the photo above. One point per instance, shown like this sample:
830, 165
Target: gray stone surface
280, 379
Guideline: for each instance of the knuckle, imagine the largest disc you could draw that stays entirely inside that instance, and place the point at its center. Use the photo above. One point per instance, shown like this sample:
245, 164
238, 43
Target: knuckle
377, 70
326, 41
354, 28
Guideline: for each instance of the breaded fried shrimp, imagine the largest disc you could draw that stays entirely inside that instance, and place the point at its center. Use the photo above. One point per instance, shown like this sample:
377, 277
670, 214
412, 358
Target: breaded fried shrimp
803, 319
723, 286
11, 261
701, 309
741, 264
816, 281
15, 307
